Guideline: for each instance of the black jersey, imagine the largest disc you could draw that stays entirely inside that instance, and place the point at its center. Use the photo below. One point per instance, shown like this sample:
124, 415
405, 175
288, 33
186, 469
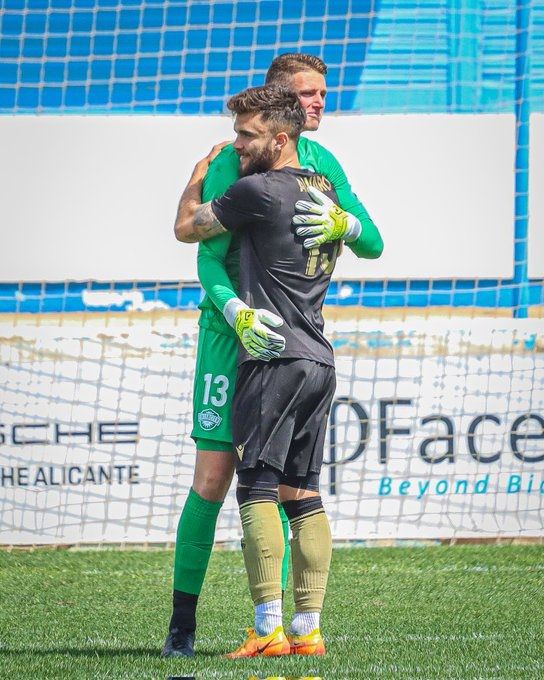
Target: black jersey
276, 272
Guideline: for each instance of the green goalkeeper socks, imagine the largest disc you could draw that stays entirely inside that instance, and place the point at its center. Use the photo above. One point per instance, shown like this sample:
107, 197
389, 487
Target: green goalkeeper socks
194, 542
286, 547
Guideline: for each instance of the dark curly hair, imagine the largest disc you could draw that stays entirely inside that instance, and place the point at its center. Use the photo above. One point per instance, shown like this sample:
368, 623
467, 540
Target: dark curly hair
278, 105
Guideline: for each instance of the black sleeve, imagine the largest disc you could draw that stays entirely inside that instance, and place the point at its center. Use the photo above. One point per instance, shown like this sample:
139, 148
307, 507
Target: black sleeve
246, 203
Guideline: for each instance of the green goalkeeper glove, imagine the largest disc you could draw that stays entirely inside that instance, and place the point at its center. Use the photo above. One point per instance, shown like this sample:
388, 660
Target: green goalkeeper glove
258, 340
324, 221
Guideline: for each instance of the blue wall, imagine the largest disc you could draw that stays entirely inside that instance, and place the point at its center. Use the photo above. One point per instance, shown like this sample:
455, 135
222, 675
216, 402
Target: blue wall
177, 57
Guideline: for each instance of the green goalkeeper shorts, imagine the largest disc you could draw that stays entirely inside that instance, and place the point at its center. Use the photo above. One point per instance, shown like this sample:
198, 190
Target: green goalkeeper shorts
215, 378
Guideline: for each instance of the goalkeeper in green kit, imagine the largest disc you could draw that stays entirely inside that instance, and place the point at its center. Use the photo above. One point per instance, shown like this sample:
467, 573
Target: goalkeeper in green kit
225, 321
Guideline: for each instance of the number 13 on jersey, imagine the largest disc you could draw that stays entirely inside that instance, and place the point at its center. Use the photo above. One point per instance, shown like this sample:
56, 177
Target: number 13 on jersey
215, 390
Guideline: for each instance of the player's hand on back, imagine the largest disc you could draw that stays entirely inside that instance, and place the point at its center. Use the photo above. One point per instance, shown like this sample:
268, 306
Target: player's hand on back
256, 337
201, 168
252, 329
324, 221
216, 150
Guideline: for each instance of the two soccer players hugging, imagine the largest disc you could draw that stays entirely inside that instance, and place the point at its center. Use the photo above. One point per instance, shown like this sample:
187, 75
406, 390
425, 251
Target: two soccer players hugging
270, 212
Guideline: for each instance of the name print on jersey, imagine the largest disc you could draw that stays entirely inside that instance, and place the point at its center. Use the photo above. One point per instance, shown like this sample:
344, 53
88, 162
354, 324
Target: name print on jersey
316, 181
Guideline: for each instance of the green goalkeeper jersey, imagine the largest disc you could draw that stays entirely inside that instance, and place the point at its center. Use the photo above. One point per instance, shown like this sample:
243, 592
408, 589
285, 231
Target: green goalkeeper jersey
219, 257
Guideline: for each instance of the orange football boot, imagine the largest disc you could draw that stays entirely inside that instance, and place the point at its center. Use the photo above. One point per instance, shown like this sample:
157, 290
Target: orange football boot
275, 644
309, 645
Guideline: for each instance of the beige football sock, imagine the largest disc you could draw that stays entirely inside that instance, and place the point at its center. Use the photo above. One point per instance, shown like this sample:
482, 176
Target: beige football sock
263, 548
311, 551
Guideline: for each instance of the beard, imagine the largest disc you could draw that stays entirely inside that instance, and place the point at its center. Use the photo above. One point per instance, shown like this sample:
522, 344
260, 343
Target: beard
260, 161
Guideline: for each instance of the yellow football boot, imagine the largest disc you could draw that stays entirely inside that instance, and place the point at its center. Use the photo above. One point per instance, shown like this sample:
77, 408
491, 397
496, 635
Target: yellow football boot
275, 644
308, 645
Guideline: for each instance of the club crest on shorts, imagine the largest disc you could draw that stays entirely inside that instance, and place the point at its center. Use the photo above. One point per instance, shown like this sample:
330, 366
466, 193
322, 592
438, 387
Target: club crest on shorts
209, 419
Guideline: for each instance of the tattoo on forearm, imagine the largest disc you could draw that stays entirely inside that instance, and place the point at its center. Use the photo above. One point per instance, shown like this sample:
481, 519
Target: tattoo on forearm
205, 222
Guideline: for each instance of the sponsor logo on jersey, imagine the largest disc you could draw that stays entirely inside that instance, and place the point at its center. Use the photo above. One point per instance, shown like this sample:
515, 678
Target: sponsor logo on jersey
317, 181
240, 451
209, 419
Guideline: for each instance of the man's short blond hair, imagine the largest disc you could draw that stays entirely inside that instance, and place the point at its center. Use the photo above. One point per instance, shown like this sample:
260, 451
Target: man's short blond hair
285, 66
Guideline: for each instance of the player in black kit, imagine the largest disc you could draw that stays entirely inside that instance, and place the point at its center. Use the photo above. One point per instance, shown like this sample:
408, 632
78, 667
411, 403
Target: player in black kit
281, 405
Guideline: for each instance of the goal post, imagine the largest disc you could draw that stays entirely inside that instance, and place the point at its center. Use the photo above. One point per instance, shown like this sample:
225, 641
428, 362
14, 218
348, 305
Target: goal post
436, 430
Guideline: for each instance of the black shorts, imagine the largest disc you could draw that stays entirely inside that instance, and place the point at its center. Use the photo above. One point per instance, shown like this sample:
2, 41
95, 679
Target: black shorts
279, 414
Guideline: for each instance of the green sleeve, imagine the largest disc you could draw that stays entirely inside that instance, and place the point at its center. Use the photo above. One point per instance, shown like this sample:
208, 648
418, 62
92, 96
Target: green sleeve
222, 173
212, 254
212, 272
369, 244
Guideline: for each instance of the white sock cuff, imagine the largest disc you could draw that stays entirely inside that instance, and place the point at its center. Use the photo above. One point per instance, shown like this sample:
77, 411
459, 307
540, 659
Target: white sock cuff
268, 616
305, 622
271, 607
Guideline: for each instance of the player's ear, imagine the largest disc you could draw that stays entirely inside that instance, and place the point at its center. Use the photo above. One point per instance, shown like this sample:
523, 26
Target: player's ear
281, 140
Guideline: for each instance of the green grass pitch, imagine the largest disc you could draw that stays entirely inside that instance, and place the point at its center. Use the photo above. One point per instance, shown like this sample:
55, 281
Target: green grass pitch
433, 612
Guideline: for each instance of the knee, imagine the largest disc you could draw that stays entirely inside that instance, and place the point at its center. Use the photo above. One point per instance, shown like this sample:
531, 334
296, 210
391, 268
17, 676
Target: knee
212, 486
